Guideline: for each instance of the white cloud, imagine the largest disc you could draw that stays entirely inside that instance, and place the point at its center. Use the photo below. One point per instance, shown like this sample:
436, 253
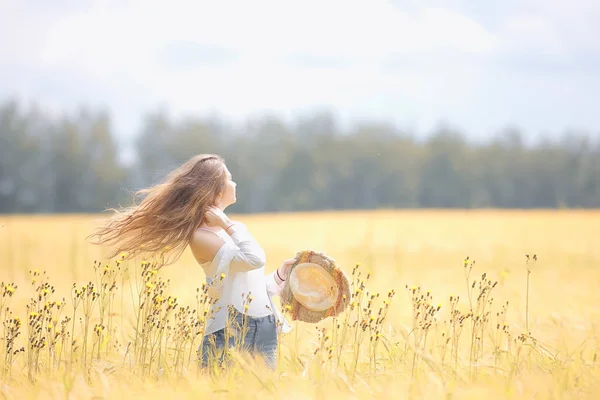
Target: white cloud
443, 58
554, 27
260, 30
129, 40
533, 33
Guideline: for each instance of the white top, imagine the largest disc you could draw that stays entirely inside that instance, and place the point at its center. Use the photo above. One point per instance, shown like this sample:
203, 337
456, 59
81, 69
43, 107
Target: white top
242, 260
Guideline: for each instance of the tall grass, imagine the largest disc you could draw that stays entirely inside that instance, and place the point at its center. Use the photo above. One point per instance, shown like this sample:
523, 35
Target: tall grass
125, 329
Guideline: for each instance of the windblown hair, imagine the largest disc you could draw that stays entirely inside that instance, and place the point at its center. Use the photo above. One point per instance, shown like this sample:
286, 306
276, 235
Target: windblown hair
164, 222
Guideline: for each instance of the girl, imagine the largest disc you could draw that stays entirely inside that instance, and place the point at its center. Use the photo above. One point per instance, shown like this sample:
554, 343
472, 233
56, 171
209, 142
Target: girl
187, 209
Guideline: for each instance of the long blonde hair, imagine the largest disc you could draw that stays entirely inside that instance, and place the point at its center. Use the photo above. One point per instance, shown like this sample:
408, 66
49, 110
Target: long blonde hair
164, 222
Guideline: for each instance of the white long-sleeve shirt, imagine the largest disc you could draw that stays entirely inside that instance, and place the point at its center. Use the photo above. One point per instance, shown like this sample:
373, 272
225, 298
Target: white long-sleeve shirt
242, 260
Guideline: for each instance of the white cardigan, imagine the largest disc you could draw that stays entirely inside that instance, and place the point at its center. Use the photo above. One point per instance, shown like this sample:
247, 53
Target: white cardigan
242, 260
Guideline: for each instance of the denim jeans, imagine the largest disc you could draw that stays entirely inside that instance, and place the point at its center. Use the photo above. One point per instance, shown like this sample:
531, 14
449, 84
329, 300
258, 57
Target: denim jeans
260, 339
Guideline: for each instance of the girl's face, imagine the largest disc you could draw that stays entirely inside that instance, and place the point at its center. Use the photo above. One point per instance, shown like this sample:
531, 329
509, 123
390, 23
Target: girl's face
228, 197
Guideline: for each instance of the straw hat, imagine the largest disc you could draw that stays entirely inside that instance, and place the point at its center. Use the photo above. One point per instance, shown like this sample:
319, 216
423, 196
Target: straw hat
315, 288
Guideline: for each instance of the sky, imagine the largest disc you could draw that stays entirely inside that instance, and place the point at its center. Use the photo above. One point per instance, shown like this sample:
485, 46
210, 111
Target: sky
478, 66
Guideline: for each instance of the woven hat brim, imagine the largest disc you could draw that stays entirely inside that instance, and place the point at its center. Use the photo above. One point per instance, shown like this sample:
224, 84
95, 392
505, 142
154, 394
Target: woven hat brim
299, 311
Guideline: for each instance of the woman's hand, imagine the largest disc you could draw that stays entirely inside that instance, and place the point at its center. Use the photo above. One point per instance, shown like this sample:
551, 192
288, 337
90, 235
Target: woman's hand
283, 271
216, 217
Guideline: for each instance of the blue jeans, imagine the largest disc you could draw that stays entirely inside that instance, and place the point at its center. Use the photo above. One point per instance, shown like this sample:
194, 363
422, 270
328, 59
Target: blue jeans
260, 338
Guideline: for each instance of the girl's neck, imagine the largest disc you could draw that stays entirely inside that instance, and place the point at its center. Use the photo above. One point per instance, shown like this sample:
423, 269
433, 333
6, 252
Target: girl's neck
212, 228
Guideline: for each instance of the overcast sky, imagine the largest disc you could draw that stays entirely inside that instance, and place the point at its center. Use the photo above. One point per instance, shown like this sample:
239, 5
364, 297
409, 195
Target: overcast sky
478, 65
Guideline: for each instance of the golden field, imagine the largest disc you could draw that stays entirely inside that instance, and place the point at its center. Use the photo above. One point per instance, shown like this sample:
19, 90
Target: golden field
461, 350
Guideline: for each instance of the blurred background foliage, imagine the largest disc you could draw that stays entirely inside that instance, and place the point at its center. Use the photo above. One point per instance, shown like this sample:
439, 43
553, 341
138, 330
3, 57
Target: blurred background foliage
73, 164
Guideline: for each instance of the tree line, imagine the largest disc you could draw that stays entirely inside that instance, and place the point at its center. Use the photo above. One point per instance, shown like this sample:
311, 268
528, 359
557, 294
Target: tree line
51, 164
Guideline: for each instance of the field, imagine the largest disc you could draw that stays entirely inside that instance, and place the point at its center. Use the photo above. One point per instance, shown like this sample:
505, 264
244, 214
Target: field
529, 329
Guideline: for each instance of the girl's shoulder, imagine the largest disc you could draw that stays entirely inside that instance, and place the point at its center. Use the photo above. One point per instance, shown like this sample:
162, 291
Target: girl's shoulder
205, 244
